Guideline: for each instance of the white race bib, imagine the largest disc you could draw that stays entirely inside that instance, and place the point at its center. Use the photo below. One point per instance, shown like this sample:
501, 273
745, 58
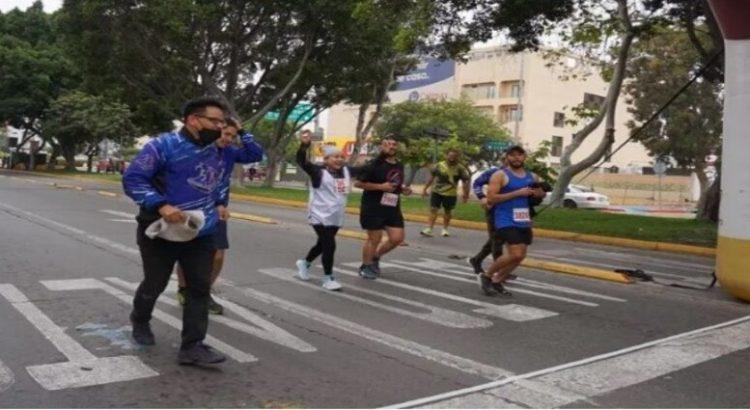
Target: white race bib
521, 215
389, 199
341, 186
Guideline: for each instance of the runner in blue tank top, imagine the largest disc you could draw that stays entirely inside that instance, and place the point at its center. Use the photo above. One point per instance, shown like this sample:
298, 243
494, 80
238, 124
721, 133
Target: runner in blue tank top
509, 191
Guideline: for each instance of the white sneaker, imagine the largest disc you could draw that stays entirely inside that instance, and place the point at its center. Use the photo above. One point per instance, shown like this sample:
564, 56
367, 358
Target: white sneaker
303, 270
446, 233
330, 283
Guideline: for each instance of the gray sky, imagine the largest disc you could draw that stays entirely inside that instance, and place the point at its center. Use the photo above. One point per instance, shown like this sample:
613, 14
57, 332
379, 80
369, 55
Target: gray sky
49, 5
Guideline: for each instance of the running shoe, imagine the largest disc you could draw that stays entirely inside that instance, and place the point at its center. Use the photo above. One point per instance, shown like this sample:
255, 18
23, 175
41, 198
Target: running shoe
485, 284
303, 270
500, 289
367, 272
182, 294
142, 333
199, 354
329, 283
376, 265
475, 264
445, 233
426, 232
214, 308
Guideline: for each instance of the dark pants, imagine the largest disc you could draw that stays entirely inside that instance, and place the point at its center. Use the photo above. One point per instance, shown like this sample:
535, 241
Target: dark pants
326, 245
159, 257
493, 244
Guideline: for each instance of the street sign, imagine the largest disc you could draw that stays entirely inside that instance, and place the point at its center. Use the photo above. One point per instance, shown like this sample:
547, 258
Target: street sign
303, 112
498, 146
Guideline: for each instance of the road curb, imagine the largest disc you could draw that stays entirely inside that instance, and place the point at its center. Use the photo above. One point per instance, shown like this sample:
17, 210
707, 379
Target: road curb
576, 270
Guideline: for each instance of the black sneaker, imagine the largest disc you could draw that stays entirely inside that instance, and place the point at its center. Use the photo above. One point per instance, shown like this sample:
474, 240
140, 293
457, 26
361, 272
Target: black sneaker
142, 333
485, 284
500, 289
214, 308
476, 265
199, 354
182, 295
376, 266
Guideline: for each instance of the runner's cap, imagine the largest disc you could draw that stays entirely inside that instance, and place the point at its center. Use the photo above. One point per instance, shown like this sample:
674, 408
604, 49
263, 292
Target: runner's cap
515, 148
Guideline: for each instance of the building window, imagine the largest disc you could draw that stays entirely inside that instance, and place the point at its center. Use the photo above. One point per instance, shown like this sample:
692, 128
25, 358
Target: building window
512, 89
509, 113
559, 120
481, 91
557, 146
592, 101
486, 109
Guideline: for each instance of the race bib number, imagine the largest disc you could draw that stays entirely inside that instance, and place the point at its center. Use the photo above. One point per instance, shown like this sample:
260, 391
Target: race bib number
389, 199
521, 215
341, 185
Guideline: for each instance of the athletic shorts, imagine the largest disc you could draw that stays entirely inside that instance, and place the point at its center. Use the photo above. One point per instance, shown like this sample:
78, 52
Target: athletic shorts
375, 221
514, 236
221, 239
446, 202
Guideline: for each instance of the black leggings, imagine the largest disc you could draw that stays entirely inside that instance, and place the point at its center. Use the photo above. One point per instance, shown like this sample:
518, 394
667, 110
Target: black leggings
326, 245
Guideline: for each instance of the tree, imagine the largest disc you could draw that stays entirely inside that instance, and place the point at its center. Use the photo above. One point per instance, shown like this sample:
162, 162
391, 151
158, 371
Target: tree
690, 129
469, 128
78, 122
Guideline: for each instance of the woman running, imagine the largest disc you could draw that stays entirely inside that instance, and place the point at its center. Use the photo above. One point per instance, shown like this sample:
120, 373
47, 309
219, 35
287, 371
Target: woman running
329, 188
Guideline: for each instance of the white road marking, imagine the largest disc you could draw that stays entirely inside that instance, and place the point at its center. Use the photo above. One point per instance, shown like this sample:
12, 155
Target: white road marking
583, 379
511, 311
118, 213
437, 315
450, 267
86, 284
403, 345
130, 221
82, 368
264, 329
6, 377
462, 279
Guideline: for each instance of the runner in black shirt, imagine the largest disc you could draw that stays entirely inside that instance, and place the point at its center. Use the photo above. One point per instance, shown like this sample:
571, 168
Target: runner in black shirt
382, 180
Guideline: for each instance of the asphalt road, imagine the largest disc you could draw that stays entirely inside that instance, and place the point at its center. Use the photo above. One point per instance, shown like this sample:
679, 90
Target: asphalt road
423, 335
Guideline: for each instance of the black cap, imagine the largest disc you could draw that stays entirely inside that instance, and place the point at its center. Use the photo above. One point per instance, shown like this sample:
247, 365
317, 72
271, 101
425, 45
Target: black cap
515, 148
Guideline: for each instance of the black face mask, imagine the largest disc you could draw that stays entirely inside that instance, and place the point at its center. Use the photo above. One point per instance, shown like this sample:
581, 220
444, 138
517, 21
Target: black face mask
207, 136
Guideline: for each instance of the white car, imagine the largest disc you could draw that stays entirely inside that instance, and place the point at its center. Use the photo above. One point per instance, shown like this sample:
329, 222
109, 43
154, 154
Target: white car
577, 196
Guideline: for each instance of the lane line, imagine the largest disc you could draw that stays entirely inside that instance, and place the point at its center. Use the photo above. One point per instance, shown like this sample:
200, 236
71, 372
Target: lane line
736, 337
118, 213
461, 279
82, 368
436, 315
395, 342
87, 284
6, 377
511, 311
451, 268
263, 329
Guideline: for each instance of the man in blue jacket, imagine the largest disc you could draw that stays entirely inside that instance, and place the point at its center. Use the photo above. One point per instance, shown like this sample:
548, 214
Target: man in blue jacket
175, 172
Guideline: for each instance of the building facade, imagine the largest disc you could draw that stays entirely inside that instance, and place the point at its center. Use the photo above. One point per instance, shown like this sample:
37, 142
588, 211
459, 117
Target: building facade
531, 96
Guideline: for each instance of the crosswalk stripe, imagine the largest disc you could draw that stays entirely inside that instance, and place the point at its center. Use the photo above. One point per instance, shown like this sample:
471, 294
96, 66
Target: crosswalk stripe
82, 284
262, 328
450, 267
440, 316
395, 342
462, 279
6, 377
511, 311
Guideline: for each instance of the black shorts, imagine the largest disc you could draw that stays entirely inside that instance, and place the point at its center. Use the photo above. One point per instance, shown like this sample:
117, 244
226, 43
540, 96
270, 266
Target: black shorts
221, 239
377, 220
446, 202
515, 236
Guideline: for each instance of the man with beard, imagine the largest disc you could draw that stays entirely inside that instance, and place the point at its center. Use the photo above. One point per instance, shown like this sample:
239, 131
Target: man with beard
509, 192
175, 175
446, 175
382, 181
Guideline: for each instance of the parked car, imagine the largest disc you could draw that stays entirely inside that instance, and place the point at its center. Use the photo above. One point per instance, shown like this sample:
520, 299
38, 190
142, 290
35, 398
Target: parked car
577, 196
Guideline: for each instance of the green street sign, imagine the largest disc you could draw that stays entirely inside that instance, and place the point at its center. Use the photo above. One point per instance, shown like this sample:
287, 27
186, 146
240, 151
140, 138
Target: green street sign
498, 145
301, 113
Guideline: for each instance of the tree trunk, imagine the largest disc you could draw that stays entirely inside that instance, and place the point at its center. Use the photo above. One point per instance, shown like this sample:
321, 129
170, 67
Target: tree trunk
53, 158
568, 171
412, 174
69, 153
273, 166
708, 207
380, 94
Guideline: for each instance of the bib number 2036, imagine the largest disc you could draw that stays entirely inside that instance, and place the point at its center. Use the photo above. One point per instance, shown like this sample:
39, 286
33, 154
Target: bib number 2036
521, 215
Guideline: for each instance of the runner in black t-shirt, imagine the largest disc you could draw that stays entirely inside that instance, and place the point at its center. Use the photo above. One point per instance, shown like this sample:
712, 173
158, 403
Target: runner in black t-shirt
382, 180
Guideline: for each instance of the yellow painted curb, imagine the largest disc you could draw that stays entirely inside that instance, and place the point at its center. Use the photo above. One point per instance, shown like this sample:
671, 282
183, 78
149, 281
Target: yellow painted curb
106, 193
253, 218
78, 188
577, 270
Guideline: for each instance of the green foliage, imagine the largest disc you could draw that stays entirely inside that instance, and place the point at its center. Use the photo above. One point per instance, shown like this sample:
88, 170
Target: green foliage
469, 128
535, 162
